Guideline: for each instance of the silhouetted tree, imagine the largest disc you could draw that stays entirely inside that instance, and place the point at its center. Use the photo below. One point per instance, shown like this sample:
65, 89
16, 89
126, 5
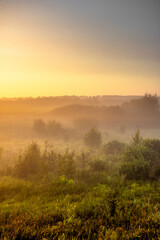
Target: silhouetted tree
136, 139
98, 165
39, 126
54, 128
67, 164
113, 147
146, 105
30, 163
93, 138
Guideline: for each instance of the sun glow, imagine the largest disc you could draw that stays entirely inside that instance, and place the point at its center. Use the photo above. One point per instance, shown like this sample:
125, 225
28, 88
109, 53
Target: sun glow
39, 61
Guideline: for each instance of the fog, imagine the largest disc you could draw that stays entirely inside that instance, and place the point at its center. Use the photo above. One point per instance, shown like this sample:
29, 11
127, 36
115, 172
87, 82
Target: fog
80, 167
63, 121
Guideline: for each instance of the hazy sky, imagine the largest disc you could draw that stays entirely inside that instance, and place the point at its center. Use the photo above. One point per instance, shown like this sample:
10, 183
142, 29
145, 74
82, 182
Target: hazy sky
79, 47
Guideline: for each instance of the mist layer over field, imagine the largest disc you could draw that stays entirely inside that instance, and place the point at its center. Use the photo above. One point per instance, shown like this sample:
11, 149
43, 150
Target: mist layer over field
80, 167
79, 120
116, 117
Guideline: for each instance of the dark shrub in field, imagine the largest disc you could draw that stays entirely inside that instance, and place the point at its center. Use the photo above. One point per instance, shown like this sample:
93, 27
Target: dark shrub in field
113, 147
54, 129
93, 138
39, 126
30, 163
98, 165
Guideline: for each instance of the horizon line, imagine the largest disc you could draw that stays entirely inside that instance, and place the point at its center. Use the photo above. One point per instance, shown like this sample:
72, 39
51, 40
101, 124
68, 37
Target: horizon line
87, 96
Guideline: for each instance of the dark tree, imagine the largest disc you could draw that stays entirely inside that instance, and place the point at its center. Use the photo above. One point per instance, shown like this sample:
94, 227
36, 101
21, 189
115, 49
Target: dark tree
54, 128
39, 126
93, 138
113, 147
30, 163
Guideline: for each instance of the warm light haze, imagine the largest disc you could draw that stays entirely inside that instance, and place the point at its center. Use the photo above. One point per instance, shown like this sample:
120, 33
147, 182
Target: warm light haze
79, 119
72, 47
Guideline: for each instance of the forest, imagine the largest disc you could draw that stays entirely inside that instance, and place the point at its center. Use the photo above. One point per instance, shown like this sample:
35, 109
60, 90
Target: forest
81, 171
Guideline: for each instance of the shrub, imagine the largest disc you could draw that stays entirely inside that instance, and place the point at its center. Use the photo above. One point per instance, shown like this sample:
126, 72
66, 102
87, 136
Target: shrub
93, 138
136, 169
49, 159
39, 126
98, 165
136, 139
54, 128
113, 147
30, 163
154, 148
141, 159
66, 164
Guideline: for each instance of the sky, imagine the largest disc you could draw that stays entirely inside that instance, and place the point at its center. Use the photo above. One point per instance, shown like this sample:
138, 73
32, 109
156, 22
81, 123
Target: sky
72, 47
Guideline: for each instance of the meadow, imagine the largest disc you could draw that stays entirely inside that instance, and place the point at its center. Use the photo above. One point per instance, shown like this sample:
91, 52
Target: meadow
67, 209
68, 178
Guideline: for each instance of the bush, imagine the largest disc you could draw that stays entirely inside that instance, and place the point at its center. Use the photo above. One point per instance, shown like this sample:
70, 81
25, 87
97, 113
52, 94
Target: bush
113, 147
93, 138
154, 148
54, 128
66, 164
30, 163
137, 169
39, 126
98, 165
136, 139
141, 159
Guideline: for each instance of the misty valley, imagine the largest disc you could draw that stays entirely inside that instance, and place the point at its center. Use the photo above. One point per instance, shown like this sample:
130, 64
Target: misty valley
80, 167
79, 120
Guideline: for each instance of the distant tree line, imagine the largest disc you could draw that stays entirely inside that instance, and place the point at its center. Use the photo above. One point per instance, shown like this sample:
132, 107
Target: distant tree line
143, 112
67, 100
52, 128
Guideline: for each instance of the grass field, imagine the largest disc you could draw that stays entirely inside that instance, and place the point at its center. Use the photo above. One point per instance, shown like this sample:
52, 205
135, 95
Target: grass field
66, 209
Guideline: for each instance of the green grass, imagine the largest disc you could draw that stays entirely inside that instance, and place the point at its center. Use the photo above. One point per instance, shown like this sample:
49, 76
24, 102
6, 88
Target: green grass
67, 209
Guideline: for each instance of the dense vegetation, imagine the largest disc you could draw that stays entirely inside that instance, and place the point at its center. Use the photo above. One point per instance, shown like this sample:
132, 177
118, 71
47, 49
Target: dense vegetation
110, 190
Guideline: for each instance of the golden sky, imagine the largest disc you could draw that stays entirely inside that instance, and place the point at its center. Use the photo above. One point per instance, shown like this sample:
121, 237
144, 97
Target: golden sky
42, 54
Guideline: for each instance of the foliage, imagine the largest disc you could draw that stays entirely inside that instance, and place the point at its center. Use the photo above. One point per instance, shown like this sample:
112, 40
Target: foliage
113, 147
64, 209
137, 169
39, 126
93, 138
66, 164
30, 163
98, 165
52, 195
49, 159
54, 128
136, 139
148, 104
154, 148
141, 159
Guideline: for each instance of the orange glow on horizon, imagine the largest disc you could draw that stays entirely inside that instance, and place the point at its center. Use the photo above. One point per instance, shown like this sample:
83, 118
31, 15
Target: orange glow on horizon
34, 64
